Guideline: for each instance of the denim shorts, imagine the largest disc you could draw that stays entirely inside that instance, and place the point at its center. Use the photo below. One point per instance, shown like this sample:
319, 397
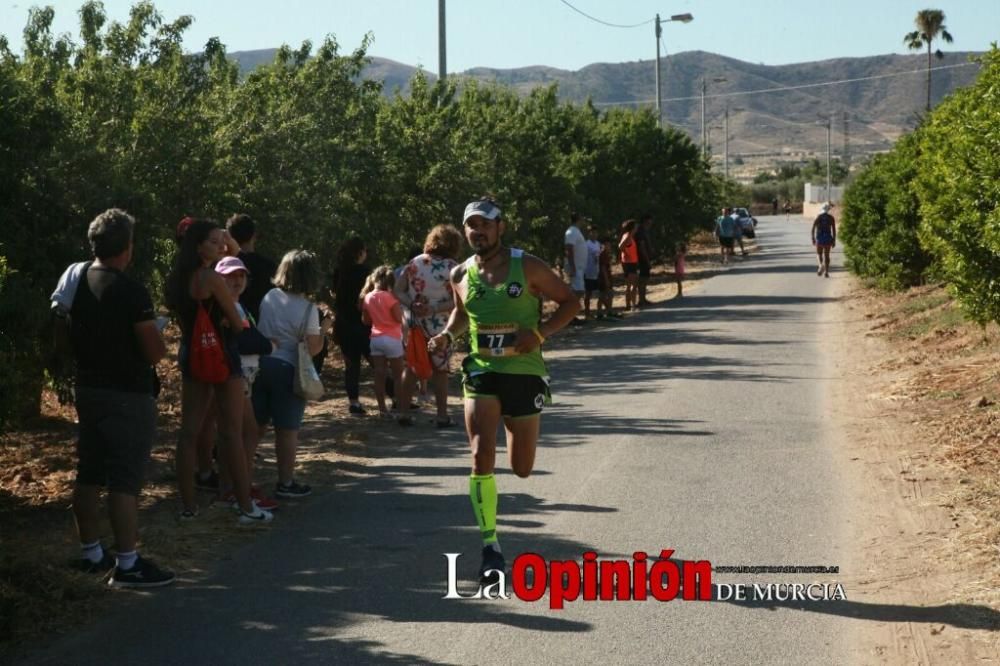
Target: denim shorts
273, 398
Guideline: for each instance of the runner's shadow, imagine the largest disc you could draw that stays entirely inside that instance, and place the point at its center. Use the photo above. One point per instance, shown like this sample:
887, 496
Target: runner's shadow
963, 616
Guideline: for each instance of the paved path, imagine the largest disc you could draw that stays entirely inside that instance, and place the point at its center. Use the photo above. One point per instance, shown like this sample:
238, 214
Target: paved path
695, 426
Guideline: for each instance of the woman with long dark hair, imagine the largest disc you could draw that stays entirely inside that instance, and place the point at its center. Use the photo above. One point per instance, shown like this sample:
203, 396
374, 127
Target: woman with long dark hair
350, 333
193, 283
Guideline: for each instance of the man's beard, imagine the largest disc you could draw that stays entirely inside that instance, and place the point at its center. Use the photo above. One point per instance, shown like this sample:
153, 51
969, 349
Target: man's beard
485, 252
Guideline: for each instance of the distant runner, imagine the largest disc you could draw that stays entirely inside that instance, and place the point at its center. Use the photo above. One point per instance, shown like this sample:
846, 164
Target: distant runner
824, 237
498, 292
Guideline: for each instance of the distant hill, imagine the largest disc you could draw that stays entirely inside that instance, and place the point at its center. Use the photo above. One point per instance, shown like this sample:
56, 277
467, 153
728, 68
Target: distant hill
766, 126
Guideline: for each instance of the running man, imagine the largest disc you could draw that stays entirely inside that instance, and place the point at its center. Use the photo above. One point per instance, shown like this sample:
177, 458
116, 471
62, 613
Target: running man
498, 300
824, 237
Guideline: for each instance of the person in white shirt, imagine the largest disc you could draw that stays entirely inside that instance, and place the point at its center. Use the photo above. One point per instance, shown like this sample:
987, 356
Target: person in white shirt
592, 271
576, 259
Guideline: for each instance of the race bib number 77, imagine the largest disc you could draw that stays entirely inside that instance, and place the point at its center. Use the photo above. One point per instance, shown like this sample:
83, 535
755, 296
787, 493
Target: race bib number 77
497, 339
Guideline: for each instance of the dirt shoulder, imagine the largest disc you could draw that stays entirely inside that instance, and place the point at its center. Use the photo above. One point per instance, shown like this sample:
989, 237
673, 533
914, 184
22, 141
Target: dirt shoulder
916, 399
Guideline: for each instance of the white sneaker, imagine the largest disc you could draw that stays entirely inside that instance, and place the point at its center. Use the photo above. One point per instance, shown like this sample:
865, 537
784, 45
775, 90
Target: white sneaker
258, 517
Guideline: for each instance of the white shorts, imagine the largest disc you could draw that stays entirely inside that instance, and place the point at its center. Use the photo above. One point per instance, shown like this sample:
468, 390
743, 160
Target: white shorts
576, 284
384, 345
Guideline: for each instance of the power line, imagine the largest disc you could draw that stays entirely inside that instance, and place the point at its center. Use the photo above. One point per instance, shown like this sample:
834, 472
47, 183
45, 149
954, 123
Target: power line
613, 25
784, 88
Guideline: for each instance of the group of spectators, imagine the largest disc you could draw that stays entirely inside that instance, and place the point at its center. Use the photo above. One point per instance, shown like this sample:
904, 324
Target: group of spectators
242, 320
729, 231
588, 261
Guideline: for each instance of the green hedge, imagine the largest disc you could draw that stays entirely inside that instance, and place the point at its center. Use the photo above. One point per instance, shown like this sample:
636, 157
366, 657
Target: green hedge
930, 208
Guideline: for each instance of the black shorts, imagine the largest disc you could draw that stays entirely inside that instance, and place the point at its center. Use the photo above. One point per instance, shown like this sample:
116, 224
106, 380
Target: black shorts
645, 268
116, 435
725, 241
630, 269
519, 395
591, 284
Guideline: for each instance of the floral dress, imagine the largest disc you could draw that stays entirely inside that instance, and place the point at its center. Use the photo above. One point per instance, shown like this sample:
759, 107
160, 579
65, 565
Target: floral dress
429, 281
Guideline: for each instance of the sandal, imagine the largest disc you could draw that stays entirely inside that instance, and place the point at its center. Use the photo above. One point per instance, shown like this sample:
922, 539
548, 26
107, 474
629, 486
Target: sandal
445, 423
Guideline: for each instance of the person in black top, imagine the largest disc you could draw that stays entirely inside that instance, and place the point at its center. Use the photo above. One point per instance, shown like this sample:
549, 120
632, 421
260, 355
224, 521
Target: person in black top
645, 247
261, 269
349, 331
115, 342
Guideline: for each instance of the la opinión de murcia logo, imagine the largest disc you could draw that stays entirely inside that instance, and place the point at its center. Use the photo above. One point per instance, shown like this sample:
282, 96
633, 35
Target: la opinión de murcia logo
643, 578
594, 580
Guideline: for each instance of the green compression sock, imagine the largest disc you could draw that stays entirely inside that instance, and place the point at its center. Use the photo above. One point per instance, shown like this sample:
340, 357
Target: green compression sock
483, 493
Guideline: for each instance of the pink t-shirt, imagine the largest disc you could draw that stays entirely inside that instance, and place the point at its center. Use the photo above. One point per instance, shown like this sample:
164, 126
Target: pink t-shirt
378, 305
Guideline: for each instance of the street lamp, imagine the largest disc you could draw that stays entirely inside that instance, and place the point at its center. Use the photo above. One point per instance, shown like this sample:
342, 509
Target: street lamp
683, 18
717, 79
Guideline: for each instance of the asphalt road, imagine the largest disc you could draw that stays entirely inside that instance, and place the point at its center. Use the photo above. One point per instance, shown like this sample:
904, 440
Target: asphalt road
697, 426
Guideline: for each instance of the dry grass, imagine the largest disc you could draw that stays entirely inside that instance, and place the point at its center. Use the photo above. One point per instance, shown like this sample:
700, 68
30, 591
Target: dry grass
946, 378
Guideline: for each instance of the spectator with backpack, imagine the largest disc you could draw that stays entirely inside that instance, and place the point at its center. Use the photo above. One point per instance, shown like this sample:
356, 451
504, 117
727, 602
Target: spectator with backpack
115, 342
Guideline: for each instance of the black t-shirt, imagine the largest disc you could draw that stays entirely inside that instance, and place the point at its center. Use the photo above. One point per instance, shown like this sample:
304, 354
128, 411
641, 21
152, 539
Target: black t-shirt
106, 308
348, 287
641, 238
261, 270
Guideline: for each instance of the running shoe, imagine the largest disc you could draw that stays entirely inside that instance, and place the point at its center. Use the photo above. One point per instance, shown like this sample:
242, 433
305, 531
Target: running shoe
262, 500
493, 563
144, 573
356, 410
257, 517
292, 490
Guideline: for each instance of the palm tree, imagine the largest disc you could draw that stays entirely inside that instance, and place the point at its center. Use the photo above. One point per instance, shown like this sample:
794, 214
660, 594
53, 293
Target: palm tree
930, 26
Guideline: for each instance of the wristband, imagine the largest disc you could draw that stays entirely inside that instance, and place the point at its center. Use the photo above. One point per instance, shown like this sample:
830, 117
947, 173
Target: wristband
541, 338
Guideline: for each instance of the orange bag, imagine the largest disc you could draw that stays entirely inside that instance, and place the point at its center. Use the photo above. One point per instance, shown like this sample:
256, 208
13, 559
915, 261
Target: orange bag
417, 357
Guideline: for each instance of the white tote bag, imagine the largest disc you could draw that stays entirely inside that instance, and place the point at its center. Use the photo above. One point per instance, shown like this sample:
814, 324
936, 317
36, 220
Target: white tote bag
307, 382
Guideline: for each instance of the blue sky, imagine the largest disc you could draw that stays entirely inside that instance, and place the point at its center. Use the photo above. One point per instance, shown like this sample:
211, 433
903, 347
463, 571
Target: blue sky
517, 33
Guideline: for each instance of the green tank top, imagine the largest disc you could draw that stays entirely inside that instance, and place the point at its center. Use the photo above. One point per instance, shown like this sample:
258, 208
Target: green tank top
495, 315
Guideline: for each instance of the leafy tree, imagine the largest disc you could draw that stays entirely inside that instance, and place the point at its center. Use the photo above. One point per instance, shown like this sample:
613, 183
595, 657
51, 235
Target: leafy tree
930, 26
958, 184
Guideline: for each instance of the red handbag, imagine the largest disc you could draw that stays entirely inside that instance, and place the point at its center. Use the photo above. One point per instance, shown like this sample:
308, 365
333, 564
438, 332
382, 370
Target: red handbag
208, 358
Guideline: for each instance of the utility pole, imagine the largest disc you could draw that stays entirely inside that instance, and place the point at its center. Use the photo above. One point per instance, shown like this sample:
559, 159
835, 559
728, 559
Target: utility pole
847, 145
829, 128
703, 141
659, 92
726, 160
442, 48
704, 147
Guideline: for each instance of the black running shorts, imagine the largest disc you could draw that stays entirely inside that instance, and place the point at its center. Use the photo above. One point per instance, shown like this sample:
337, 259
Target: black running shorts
519, 395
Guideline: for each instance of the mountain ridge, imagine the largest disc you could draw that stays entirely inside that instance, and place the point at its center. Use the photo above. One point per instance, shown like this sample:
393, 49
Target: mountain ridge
881, 95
